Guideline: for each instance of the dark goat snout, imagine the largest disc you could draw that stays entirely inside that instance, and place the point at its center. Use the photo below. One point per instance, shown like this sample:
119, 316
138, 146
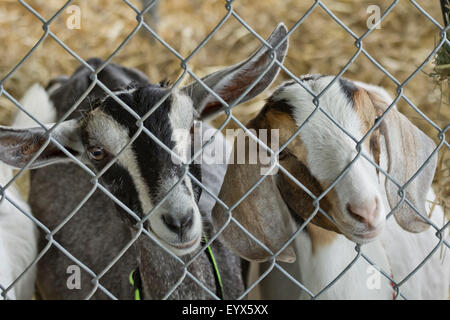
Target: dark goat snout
179, 223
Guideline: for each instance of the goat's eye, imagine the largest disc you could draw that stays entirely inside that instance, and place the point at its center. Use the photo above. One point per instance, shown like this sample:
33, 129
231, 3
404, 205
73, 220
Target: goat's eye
96, 153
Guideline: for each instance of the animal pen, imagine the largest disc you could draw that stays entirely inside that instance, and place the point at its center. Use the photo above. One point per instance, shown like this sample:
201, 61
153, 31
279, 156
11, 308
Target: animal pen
402, 46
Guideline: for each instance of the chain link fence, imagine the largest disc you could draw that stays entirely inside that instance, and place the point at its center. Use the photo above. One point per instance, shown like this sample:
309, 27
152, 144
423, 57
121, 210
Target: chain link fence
184, 62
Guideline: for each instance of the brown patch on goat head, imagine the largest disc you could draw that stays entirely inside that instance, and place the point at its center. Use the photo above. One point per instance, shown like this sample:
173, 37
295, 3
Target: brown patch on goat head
367, 113
287, 127
293, 159
298, 200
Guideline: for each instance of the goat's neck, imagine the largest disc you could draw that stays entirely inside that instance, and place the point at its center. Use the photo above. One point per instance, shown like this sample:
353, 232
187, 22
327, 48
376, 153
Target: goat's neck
158, 269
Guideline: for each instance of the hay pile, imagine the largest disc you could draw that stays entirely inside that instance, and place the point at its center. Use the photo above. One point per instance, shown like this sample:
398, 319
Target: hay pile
319, 45
442, 60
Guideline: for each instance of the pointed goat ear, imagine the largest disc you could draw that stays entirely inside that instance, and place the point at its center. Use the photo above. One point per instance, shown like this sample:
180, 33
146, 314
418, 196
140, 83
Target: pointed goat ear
231, 82
263, 212
18, 146
408, 148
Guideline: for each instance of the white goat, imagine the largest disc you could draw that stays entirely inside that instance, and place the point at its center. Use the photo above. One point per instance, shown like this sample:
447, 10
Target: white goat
18, 234
358, 203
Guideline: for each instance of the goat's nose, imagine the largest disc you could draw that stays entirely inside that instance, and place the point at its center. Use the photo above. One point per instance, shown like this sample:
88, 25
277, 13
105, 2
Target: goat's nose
366, 212
178, 223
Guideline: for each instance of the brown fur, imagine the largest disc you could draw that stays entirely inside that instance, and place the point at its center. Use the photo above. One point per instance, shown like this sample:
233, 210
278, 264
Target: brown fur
298, 200
279, 120
293, 159
367, 113
265, 217
364, 109
320, 237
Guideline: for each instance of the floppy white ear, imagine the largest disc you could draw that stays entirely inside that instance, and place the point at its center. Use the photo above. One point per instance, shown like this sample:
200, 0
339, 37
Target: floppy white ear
231, 82
408, 148
18, 146
263, 213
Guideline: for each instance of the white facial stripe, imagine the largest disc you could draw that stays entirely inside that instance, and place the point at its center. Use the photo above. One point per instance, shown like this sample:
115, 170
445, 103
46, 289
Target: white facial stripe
181, 117
113, 137
105, 130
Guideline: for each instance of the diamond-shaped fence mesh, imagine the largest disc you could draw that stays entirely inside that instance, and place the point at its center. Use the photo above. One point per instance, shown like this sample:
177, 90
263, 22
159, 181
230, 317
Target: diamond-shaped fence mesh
149, 24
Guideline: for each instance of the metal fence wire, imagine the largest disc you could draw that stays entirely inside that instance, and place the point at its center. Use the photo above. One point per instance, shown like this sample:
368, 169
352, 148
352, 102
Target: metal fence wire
142, 26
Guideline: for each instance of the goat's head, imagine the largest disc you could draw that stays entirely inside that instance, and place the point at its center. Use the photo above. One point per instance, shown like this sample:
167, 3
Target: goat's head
144, 173
361, 199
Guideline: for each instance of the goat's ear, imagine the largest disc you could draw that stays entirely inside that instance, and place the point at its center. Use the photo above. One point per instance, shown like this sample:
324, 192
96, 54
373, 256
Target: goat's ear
408, 148
263, 212
18, 146
231, 82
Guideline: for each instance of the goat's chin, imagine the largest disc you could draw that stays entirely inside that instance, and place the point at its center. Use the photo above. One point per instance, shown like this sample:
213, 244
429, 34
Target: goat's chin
179, 248
184, 248
365, 237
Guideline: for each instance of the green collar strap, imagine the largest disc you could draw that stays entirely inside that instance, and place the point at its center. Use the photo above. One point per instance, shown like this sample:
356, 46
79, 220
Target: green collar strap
219, 291
135, 282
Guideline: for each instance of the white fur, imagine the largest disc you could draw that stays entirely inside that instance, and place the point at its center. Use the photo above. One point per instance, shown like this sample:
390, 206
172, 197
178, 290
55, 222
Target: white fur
181, 118
36, 102
330, 150
396, 251
319, 269
18, 243
18, 234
